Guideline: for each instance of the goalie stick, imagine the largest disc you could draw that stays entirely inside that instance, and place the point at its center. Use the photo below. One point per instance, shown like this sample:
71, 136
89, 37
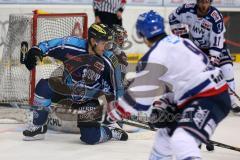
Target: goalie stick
147, 127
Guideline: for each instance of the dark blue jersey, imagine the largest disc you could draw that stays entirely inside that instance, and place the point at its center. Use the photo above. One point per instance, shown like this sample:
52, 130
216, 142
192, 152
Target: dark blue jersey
97, 74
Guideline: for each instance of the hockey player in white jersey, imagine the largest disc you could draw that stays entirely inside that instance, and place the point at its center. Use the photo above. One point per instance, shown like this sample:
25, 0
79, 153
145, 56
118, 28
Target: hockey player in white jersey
176, 69
203, 24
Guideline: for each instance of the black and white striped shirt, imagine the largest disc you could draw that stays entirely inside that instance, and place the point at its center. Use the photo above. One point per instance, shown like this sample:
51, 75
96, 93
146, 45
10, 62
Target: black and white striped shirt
110, 6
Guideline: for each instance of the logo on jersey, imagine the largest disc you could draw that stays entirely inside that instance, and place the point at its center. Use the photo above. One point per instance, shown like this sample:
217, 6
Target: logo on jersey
206, 25
200, 117
99, 66
216, 16
198, 30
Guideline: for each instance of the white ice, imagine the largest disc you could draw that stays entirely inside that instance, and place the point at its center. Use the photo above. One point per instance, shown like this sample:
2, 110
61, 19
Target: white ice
62, 146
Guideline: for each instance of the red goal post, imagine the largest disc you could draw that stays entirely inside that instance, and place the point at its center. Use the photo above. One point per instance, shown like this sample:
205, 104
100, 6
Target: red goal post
17, 84
36, 18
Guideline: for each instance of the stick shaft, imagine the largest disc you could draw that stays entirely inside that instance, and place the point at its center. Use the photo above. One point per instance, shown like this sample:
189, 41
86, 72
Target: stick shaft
145, 126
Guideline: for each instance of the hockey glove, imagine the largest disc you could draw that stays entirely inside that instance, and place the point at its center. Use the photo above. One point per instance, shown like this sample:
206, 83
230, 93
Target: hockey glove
181, 32
163, 113
214, 60
116, 112
31, 57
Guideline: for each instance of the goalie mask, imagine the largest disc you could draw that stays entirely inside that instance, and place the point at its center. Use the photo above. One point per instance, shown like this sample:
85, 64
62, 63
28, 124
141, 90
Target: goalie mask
119, 35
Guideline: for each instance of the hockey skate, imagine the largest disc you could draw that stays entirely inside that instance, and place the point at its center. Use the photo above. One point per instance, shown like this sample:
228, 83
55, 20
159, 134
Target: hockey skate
118, 134
34, 132
235, 109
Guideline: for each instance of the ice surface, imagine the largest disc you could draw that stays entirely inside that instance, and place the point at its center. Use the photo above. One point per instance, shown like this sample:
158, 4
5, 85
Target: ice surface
62, 146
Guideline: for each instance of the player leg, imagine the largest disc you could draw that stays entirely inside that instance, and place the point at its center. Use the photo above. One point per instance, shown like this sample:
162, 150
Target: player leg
44, 94
226, 66
161, 148
92, 131
197, 124
37, 126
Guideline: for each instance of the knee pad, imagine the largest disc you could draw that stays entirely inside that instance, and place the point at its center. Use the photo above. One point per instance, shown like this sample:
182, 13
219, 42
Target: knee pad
184, 145
90, 135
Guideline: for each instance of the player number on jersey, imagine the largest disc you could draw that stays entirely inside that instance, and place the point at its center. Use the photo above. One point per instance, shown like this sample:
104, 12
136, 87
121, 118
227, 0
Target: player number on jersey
196, 51
216, 41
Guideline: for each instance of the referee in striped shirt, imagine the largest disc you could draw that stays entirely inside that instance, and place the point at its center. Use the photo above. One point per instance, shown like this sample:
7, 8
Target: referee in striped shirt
108, 11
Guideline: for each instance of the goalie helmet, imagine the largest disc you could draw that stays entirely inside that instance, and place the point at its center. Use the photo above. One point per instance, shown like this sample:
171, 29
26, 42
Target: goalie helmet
119, 35
150, 24
99, 32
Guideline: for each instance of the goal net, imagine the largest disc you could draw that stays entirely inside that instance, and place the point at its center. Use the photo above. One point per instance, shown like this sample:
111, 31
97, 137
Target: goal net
25, 30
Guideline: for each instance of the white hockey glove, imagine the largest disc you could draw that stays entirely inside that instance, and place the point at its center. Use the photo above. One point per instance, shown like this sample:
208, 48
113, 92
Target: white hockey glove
180, 30
214, 60
117, 112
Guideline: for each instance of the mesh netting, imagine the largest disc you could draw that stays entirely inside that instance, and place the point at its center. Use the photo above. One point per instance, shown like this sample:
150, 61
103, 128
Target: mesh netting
14, 77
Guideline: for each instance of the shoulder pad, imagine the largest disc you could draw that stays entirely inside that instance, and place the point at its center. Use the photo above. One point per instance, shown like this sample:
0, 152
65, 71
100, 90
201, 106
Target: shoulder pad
215, 15
216, 19
188, 7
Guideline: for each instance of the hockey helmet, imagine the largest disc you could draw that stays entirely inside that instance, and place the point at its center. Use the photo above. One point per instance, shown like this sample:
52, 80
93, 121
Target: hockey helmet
150, 24
208, 0
99, 32
119, 34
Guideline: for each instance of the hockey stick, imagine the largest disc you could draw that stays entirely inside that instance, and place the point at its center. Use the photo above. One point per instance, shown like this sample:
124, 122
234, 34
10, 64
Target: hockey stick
235, 94
145, 126
22, 106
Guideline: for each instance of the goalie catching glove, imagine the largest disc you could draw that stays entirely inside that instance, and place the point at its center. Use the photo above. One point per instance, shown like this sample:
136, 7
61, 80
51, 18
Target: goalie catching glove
31, 57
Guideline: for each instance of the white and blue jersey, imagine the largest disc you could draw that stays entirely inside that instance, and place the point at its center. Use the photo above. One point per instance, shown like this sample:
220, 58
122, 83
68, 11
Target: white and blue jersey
177, 65
70, 50
207, 32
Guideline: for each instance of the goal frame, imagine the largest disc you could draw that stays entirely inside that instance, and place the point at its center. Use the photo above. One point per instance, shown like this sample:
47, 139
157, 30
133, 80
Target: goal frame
34, 42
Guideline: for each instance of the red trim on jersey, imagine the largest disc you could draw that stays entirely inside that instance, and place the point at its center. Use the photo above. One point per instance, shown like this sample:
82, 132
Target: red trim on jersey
124, 114
207, 93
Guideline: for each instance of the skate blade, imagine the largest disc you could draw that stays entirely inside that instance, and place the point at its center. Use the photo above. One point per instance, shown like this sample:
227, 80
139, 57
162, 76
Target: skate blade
37, 137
